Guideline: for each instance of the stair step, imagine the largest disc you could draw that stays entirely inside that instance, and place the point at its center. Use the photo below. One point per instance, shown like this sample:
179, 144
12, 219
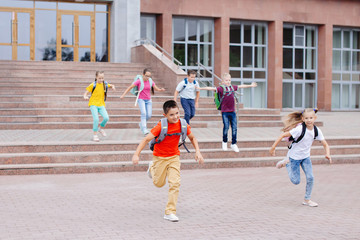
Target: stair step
64, 168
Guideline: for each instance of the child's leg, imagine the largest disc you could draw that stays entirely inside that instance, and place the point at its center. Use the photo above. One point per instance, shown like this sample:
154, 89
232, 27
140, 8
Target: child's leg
306, 165
233, 122
174, 184
148, 106
95, 115
105, 115
186, 107
141, 103
158, 171
225, 119
293, 168
192, 108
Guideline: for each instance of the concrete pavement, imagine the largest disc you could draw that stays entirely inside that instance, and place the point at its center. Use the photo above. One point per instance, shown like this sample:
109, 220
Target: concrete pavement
238, 203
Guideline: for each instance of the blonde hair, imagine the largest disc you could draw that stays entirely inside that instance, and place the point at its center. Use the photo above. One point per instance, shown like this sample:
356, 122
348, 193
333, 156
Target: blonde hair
97, 74
226, 75
293, 119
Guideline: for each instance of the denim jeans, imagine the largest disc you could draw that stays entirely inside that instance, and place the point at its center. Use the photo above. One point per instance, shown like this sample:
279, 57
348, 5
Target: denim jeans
229, 118
189, 108
146, 112
95, 113
293, 168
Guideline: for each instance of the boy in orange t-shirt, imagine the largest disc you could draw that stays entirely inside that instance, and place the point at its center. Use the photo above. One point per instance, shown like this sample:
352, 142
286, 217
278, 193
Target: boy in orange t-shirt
166, 156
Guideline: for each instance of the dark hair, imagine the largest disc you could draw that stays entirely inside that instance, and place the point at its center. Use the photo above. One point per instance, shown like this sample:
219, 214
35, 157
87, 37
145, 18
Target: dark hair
97, 73
146, 70
168, 105
191, 72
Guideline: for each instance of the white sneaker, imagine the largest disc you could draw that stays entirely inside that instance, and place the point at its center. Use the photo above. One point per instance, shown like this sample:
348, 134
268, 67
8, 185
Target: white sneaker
235, 148
102, 132
224, 146
310, 203
171, 217
282, 163
96, 138
148, 170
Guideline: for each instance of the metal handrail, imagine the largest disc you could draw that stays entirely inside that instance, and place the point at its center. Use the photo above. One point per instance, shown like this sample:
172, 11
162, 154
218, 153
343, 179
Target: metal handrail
149, 41
212, 74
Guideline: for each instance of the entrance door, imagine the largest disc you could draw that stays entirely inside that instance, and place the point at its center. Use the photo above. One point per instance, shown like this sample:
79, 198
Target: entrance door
17, 34
75, 36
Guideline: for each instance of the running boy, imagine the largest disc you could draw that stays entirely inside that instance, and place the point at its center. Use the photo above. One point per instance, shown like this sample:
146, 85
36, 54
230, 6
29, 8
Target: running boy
189, 95
227, 102
166, 156
97, 103
299, 150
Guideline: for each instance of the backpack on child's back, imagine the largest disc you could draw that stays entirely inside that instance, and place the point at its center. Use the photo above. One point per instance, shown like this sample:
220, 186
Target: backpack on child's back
218, 100
135, 90
291, 140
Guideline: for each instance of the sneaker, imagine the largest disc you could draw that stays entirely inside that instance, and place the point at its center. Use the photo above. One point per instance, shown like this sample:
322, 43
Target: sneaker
148, 170
310, 203
102, 132
171, 217
282, 163
96, 138
224, 146
235, 148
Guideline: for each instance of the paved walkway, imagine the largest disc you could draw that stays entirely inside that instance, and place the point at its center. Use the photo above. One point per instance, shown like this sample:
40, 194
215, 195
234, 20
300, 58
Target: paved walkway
243, 203
336, 124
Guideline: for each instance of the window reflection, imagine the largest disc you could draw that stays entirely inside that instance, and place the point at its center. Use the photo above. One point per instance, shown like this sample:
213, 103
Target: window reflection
101, 37
45, 35
5, 26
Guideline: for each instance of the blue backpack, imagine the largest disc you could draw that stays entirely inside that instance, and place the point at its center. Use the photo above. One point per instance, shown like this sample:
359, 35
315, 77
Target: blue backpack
105, 89
186, 83
163, 134
135, 91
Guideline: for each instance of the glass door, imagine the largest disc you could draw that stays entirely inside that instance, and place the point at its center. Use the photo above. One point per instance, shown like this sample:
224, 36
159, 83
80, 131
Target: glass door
75, 36
17, 34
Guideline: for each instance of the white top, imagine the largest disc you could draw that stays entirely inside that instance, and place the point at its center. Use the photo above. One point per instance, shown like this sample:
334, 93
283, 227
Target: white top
190, 91
301, 150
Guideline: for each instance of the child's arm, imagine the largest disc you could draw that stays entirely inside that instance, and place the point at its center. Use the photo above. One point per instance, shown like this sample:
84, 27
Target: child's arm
283, 135
158, 89
207, 88
86, 97
112, 86
197, 99
127, 90
327, 150
175, 95
140, 147
253, 84
198, 156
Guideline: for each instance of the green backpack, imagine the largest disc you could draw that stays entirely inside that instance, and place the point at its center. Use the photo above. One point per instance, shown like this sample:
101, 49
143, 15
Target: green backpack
135, 91
218, 100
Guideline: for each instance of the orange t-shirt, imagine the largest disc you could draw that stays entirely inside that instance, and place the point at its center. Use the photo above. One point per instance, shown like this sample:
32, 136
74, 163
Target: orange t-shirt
169, 146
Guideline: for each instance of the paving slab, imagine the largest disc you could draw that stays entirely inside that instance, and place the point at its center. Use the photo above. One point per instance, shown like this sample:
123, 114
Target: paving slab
236, 203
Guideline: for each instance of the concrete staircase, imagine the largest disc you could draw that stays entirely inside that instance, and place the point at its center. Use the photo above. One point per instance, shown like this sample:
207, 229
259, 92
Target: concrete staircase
47, 96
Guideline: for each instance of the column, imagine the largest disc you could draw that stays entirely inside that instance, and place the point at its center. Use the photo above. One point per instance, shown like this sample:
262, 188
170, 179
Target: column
275, 64
221, 46
324, 87
164, 31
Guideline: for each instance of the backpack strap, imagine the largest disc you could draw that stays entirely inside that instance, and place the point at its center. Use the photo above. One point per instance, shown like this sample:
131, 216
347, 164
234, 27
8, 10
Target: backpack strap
186, 82
223, 95
303, 130
106, 86
183, 133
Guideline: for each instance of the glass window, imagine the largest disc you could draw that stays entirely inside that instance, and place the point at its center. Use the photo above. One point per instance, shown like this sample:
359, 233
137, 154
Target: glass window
6, 52
101, 7
179, 53
355, 99
17, 3
356, 40
179, 29
45, 35
235, 32
23, 53
46, 5
205, 30
337, 39
76, 6
346, 61
5, 26
335, 96
192, 55
206, 55
148, 27
356, 61
287, 95
345, 94
101, 37
299, 65
192, 30
248, 56
346, 37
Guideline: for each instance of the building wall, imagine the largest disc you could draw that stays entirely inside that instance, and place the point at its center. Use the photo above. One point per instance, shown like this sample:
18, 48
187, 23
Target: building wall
323, 13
